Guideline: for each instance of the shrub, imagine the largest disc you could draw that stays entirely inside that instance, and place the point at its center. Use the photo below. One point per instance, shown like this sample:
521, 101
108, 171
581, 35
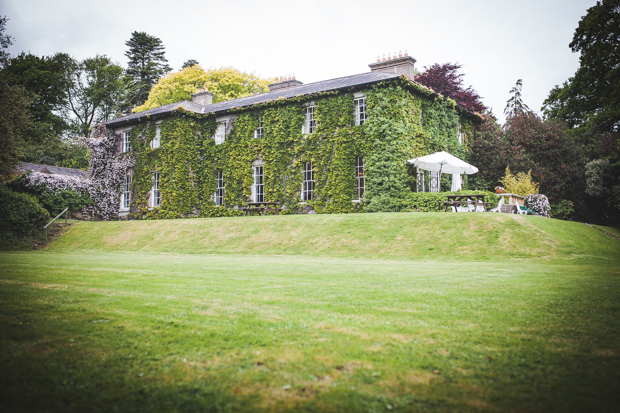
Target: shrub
563, 210
54, 192
21, 213
520, 184
539, 203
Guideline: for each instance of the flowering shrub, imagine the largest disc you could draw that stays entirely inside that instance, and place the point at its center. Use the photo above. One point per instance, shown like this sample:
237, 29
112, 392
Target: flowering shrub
55, 192
539, 203
107, 173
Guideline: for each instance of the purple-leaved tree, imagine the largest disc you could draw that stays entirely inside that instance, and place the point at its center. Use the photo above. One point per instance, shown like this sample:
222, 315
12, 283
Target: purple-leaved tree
445, 80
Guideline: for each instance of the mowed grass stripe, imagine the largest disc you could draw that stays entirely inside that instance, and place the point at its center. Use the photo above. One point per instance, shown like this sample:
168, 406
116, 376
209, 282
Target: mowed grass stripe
101, 331
434, 236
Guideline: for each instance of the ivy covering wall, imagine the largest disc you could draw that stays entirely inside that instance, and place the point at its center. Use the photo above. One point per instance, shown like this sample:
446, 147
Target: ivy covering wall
188, 157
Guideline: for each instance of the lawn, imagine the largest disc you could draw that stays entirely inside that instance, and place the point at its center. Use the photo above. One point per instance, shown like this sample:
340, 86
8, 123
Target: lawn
83, 329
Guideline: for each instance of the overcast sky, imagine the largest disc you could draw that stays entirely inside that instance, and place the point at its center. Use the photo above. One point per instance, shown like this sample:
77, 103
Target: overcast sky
496, 41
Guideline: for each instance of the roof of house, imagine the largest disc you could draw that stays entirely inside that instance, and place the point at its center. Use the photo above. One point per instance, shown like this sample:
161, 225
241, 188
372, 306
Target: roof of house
48, 169
285, 93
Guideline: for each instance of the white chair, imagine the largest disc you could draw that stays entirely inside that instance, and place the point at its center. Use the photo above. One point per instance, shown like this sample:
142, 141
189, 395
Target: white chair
470, 206
499, 205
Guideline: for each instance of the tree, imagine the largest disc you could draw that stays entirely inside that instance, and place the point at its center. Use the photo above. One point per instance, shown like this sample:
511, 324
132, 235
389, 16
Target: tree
5, 41
445, 80
590, 100
515, 105
547, 149
14, 117
488, 152
225, 83
95, 92
189, 63
147, 63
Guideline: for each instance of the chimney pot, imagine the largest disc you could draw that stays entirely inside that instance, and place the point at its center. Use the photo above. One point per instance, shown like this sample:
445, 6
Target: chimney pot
378, 59
400, 53
406, 54
384, 58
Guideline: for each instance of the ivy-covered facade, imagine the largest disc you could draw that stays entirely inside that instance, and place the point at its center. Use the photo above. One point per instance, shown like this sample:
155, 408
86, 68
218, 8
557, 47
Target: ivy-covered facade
336, 146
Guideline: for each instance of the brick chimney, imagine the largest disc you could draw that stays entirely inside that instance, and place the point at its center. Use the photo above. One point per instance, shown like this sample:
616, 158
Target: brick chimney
399, 64
285, 83
202, 97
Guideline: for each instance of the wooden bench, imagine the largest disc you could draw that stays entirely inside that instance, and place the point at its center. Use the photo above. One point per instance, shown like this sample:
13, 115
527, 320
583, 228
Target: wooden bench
263, 207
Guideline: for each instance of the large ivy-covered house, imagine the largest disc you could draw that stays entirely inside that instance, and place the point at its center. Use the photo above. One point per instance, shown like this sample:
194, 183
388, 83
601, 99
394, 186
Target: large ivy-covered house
339, 145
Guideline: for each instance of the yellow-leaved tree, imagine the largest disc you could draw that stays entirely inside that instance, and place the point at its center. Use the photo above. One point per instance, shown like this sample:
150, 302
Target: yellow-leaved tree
225, 83
520, 184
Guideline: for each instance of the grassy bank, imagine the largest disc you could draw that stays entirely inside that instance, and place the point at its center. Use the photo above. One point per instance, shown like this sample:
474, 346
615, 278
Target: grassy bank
353, 313
393, 236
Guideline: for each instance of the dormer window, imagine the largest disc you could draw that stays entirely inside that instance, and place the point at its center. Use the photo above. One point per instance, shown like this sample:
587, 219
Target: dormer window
126, 141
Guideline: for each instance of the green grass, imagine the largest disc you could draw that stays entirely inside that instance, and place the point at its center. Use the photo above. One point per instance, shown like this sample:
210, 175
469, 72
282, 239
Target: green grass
98, 323
392, 236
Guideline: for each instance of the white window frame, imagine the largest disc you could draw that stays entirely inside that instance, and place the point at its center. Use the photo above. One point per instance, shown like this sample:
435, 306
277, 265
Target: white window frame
309, 120
126, 193
220, 132
218, 196
126, 141
258, 186
155, 192
459, 134
360, 108
259, 132
360, 175
308, 184
156, 142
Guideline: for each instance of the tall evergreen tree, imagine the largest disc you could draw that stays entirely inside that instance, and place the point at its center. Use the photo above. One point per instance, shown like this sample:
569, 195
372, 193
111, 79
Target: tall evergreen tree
147, 63
515, 105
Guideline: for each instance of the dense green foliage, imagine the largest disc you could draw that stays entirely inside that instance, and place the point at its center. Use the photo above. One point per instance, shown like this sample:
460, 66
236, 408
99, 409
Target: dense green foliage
225, 83
14, 122
53, 201
95, 92
21, 214
590, 100
188, 157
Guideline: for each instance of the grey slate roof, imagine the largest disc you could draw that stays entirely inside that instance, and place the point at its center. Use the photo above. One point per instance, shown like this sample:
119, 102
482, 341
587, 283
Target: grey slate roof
48, 169
307, 89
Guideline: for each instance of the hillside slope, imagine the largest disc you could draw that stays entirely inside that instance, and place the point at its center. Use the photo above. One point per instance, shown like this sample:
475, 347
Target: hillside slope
391, 235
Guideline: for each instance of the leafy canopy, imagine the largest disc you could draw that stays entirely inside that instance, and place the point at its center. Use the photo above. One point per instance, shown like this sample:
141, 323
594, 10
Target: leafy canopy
225, 83
94, 92
591, 98
445, 80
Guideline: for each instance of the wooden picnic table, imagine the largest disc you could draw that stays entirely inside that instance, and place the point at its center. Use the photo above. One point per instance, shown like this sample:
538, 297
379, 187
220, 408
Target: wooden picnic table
461, 199
263, 207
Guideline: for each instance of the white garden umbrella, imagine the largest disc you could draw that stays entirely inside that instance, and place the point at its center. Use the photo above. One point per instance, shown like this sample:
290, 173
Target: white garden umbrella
443, 162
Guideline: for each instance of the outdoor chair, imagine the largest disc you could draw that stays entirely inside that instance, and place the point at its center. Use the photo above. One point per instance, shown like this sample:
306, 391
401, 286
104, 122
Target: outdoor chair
499, 205
525, 211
